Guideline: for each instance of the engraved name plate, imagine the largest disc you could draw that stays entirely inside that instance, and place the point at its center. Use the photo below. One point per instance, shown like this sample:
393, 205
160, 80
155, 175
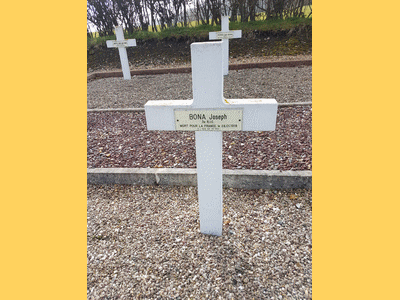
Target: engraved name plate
208, 120
224, 35
120, 43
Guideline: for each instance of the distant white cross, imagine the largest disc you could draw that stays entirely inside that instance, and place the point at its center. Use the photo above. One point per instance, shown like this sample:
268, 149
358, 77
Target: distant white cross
121, 44
225, 35
208, 114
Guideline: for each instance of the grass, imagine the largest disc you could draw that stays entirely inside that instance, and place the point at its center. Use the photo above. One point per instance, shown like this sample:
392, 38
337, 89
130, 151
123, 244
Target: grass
194, 31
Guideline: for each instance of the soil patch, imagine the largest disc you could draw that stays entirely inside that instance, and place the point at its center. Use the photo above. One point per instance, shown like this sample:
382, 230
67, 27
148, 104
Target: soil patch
175, 50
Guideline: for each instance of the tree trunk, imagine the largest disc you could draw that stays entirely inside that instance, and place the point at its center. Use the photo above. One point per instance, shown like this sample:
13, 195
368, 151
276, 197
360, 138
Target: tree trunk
184, 14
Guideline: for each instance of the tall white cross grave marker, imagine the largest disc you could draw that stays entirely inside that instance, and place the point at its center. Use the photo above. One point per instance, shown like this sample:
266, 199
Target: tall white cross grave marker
121, 44
208, 114
225, 35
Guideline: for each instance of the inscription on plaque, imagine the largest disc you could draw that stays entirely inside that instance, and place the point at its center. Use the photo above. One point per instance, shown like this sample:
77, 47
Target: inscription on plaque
224, 35
209, 120
120, 43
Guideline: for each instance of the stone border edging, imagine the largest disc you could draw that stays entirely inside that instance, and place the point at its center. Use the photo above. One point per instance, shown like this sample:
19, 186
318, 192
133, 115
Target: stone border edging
142, 109
276, 64
244, 179
272, 64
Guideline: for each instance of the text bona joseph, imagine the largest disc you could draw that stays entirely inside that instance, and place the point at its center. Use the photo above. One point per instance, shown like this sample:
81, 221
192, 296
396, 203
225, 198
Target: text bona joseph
211, 117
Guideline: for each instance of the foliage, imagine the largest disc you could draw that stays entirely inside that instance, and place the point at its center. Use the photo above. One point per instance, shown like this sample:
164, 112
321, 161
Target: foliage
202, 31
161, 15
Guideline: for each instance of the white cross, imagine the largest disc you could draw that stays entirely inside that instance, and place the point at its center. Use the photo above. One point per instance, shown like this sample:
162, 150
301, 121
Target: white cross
225, 35
209, 114
121, 44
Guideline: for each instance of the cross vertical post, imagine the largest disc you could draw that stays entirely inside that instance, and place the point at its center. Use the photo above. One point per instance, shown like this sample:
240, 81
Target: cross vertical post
121, 44
209, 180
225, 35
208, 87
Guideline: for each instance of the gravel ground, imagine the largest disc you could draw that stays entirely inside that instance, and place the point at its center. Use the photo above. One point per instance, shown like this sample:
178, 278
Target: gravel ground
286, 85
144, 243
121, 140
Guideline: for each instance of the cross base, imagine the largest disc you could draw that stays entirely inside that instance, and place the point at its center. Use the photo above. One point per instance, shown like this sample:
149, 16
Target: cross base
209, 180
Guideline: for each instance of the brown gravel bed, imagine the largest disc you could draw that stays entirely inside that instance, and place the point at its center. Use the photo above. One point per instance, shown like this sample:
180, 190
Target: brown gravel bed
121, 140
144, 243
286, 85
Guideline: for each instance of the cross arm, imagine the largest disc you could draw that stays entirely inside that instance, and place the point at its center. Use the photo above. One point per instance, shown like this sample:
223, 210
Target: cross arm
160, 113
258, 114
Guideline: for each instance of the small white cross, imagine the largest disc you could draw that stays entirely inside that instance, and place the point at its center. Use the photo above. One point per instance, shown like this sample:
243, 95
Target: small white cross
225, 35
208, 114
121, 44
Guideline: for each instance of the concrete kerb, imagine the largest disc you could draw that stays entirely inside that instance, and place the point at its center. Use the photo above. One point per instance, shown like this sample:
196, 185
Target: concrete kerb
243, 179
279, 64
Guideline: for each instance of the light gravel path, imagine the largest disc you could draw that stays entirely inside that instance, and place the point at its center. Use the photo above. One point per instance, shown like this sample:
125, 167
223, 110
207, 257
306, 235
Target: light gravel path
148, 65
144, 243
286, 85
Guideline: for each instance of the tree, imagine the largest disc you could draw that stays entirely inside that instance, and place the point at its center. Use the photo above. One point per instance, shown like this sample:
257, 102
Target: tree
103, 15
